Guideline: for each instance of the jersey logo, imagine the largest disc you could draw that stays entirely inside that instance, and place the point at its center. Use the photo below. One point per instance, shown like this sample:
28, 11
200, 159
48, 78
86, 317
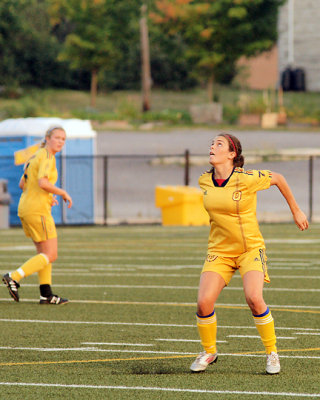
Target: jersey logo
237, 196
211, 258
205, 192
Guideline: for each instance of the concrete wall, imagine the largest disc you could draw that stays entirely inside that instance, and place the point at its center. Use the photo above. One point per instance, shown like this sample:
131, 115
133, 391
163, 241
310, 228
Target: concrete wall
259, 72
305, 43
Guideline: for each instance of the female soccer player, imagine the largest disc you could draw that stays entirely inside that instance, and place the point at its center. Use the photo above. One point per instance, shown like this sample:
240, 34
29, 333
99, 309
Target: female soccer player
235, 242
38, 185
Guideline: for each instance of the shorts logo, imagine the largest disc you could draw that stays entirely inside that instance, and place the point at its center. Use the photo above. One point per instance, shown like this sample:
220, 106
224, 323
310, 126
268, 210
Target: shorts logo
237, 196
211, 258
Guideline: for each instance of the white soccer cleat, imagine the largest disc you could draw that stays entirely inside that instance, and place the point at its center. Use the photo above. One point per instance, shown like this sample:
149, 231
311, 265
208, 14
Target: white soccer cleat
202, 361
273, 363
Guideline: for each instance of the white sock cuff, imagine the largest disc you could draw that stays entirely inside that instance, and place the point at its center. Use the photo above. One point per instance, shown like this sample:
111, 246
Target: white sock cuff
21, 272
45, 257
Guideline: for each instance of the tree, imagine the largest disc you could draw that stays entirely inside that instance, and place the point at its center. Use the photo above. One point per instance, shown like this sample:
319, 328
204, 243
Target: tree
219, 32
96, 25
28, 47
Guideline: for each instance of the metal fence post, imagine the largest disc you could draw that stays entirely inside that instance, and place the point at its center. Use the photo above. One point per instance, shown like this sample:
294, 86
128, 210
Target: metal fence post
62, 183
186, 167
310, 188
105, 190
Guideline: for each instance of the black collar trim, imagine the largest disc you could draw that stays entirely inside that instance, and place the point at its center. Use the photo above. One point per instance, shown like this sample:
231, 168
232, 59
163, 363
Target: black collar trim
215, 183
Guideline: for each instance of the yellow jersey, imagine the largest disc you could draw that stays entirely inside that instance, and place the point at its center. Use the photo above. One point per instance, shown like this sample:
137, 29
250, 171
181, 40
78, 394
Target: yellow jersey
35, 200
234, 228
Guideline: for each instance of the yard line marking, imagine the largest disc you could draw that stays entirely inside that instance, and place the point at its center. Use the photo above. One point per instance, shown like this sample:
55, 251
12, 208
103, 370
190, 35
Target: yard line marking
285, 308
188, 340
166, 275
143, 324
293, 241
113, 266
118, 344
165, 287
17, 248
300, 333
92, 349
246, 354
258, 337
163, 389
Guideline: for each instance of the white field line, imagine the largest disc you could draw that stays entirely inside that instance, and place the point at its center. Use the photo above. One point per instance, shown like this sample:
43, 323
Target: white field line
168, 275
79, 272
162, 389
132, 267
187, 340
292, 241
285, 306
301, 333
258, 337
136, 250
166, 287
178, 353
118, 344
40, 321
94, 350
273, 261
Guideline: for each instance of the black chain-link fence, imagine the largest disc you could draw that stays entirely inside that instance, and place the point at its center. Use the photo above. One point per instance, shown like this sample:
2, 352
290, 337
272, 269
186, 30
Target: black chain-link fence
120, 189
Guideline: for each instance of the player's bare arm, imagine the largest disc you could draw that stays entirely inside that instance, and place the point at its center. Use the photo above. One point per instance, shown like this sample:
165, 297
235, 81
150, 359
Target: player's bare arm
298, 215
49, 187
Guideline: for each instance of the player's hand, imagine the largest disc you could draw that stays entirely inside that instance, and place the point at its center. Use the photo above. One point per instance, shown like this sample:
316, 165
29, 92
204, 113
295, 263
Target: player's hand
67, 199
301, 220
54, 201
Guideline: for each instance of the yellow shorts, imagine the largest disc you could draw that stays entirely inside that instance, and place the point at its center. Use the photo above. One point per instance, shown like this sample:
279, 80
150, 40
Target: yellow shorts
253, 260
39, 227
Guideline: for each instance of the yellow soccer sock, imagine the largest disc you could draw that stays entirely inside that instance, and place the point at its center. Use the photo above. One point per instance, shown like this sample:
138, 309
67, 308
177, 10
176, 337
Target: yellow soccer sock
34, 264
207, 328
45, 276
265, 325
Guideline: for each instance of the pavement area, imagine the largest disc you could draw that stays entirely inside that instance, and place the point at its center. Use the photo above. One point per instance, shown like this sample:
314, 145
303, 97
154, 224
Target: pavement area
132, 179
198, 141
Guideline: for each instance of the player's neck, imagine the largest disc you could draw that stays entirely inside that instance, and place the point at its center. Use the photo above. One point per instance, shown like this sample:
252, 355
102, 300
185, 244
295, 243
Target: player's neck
50, 150
222, 171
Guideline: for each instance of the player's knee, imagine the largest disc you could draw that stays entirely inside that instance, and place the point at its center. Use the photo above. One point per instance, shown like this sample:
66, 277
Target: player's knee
204, 306
254, 301
52, 256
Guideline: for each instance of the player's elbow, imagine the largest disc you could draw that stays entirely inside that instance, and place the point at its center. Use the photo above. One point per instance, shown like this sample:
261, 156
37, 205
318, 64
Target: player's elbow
42, 182
276, 179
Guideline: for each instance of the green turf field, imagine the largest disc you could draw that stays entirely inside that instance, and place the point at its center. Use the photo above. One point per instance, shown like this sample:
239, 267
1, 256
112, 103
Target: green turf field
129, 330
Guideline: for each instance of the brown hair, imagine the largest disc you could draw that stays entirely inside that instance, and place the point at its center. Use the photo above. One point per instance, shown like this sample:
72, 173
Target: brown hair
49, 134
234, 145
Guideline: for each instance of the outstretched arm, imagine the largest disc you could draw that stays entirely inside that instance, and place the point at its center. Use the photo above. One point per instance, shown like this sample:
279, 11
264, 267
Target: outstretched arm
299, 217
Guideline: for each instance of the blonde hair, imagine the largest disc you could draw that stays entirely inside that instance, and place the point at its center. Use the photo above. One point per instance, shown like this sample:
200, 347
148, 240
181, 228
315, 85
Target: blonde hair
49, 134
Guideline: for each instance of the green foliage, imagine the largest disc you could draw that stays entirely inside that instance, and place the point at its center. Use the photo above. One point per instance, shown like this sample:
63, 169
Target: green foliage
218, 33
94, 116
231, 113
96, 26
251, 103
172, 116
27, 107
57, 43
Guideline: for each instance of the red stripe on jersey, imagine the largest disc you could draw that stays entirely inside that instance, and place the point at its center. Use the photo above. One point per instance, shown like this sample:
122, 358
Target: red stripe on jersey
219, 181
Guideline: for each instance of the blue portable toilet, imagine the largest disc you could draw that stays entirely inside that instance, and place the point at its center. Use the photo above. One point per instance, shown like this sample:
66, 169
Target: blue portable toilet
75, 164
